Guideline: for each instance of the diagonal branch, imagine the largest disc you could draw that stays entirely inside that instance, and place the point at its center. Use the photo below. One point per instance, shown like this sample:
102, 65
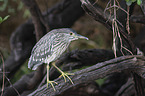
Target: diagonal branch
23, 38
100, 70
97, 13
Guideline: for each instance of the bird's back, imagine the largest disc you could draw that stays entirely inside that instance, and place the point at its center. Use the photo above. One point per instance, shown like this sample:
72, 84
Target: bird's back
48, 48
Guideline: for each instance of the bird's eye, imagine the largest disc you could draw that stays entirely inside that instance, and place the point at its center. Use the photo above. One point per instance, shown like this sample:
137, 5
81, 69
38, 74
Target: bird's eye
71, 33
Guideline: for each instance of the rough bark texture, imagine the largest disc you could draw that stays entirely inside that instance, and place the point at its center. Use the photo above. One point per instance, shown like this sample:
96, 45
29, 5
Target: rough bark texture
91, 9
23, 39
60, 15
100, 70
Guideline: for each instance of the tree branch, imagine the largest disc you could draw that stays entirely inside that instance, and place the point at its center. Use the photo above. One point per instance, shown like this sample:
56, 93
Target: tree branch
100, 70
23, 38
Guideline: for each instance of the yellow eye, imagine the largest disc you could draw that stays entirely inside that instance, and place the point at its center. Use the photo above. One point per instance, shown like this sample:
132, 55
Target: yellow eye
71, 33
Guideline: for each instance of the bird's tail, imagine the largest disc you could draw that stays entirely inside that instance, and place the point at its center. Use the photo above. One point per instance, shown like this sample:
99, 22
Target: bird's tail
33, 64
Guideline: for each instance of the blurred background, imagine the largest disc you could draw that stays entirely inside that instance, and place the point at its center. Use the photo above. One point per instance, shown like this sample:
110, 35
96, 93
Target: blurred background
99, 36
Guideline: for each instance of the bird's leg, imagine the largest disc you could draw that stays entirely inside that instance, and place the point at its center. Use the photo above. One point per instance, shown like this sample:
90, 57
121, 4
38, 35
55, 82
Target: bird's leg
48, 81
63, 74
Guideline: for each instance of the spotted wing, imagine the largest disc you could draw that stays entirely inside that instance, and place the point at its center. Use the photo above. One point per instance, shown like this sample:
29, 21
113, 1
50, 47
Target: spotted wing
40, 52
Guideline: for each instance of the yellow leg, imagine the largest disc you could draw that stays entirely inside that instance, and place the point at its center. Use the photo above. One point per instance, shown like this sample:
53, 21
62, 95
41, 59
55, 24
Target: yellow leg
48, 81
63, 74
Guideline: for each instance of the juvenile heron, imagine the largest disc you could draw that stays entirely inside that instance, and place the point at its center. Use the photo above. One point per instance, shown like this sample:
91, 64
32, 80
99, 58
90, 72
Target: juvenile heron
50, 47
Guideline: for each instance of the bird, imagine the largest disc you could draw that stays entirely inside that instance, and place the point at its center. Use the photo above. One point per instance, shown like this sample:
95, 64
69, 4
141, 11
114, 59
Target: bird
50, 47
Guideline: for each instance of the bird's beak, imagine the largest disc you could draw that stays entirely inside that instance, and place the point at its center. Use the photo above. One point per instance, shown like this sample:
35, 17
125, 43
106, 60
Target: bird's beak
81, 37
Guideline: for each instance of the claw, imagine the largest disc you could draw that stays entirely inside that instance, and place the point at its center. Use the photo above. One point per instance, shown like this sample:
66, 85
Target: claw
51, 82
64, 75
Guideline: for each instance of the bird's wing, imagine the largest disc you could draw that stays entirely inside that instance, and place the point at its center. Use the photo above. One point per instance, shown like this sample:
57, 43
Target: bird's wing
40, 52
33, 64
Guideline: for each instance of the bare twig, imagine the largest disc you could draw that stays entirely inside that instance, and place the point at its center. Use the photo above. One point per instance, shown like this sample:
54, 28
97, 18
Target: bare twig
127, 22
12, 85
3, 85
115, 28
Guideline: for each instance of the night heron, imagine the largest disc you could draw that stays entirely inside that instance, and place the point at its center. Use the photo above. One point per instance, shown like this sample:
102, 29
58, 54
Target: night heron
50, 47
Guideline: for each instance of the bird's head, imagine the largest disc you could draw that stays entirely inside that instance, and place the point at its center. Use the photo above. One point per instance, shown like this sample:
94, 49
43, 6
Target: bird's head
71, 35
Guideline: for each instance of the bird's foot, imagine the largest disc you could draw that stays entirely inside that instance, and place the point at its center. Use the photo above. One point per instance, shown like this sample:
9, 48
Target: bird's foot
51, 82
64, 75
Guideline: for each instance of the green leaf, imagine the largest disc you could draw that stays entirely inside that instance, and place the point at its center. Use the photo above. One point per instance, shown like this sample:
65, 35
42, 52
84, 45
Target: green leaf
26, 13
133, 1
1, 20
129, 3
4, 5
126, 0
6, 17
20, 6
139, 2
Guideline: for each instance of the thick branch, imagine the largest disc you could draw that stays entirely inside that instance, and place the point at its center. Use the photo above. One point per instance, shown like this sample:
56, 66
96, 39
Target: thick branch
36, 17
124, 37
39, 30
97, 13
23, 38
74, 59
100, 70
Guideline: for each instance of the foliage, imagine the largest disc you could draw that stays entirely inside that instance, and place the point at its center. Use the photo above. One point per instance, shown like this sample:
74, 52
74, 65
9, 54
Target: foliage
3, 19
129, 2
13, 6
100, 82
4, 5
